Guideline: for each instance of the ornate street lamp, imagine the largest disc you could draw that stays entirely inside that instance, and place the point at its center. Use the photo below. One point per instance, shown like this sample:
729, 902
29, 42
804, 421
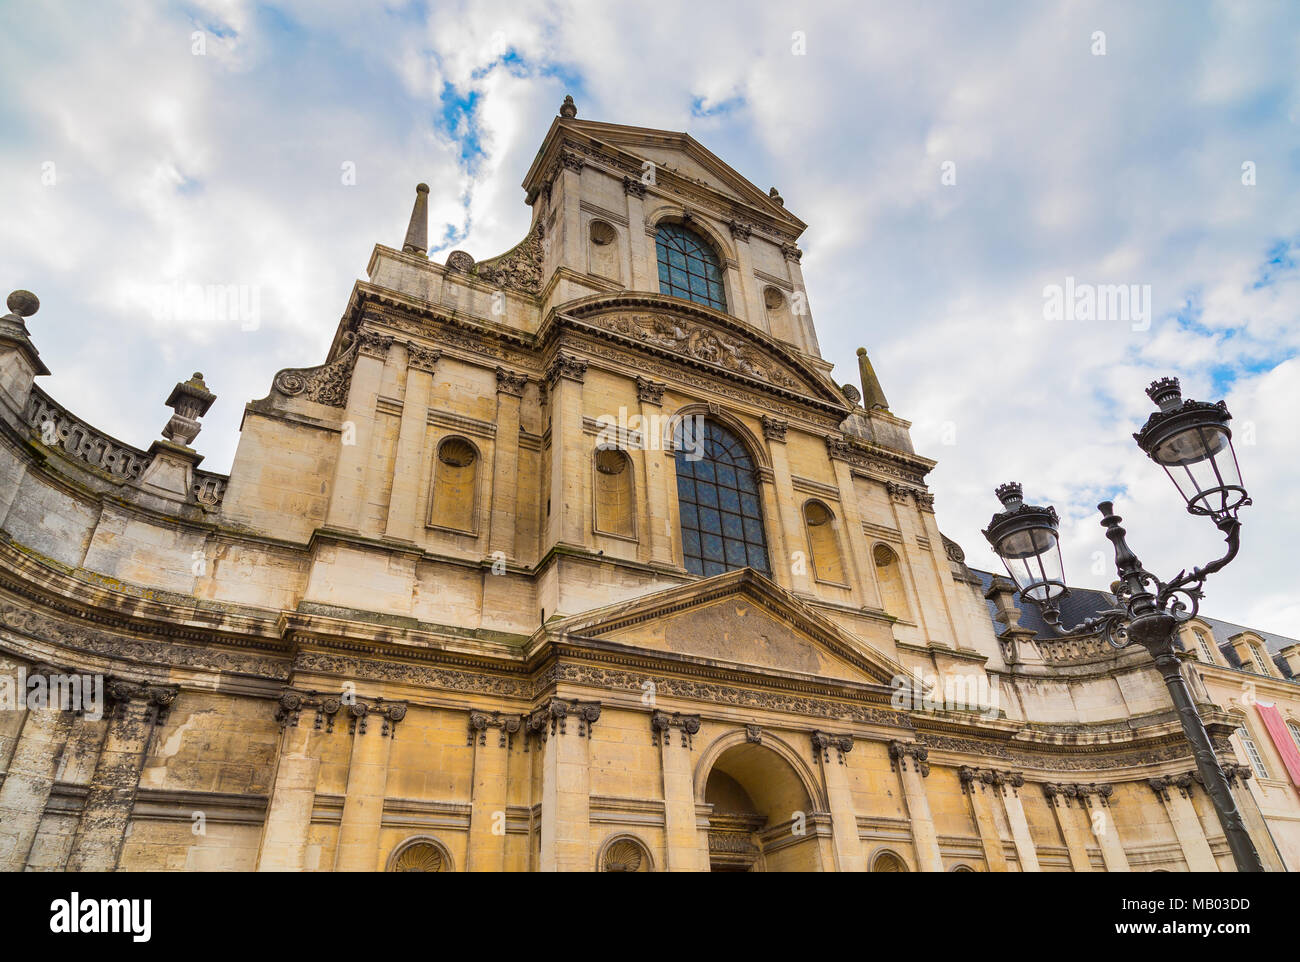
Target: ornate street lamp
1191, 441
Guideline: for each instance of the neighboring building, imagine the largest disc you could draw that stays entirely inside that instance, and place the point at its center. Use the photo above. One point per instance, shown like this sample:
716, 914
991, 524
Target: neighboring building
572, 559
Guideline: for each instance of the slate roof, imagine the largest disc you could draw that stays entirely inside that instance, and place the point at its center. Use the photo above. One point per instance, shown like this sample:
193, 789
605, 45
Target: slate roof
1085, 602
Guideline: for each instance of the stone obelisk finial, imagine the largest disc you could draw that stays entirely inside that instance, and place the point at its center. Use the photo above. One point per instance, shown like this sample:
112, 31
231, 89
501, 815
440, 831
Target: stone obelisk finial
417, 234
873, 395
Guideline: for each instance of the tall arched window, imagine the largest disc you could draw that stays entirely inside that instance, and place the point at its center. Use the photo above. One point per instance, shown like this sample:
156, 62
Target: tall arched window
688, 267
717, 491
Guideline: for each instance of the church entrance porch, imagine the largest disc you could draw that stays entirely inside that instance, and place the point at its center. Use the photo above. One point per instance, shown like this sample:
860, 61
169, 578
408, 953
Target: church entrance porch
761, 817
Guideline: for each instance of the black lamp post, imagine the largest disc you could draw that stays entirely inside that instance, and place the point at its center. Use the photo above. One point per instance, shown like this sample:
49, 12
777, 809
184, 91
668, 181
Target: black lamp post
1192, 442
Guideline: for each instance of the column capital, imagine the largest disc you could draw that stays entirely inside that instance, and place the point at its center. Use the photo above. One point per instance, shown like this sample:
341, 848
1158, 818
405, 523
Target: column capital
822, 743
565, 366
373, 344
511, 382
648, 391
837, 448
158, 699
900, 751
739, 230
662, 724
360, 711
774, 429
633, 186
508, 726
791, 253
1076, 791
422, 358
552, 718
1161, 784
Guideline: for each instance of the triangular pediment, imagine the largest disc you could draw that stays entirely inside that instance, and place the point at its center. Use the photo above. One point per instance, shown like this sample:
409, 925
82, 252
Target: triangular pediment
676, 154
739, 619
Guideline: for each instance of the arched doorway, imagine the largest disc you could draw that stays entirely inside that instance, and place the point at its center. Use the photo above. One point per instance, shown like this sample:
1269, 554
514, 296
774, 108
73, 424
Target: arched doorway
762, 817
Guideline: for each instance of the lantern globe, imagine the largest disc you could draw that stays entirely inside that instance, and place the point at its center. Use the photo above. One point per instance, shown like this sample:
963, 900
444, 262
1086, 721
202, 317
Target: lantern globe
1192, 442
1025, 538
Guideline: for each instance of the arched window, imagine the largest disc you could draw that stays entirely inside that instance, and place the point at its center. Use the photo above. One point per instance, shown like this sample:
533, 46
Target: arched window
688, 267
615, 511
826, 561
717, 491
455, 470
893, 595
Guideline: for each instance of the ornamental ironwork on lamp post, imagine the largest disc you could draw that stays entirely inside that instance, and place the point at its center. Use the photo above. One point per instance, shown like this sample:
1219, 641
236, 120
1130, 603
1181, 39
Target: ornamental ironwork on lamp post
1192, 442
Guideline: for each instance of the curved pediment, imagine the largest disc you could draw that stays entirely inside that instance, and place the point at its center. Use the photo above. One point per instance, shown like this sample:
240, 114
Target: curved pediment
703, 338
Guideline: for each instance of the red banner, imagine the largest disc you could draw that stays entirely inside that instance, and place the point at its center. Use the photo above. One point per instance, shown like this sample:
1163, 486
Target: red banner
1282, 740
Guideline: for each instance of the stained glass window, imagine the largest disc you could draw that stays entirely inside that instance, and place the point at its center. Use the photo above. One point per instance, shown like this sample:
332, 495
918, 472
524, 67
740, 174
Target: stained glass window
717, 492
688, 267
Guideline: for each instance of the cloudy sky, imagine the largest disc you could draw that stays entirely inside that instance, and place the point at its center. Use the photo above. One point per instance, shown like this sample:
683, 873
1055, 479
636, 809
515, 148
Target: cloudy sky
953, 161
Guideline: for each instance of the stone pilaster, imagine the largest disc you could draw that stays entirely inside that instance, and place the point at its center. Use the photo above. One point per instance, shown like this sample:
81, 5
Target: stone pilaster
830, 751
979, 786
347, 493
372, 726
403, 506
505, 469
910, 761
564, 379
30, 776
749, 291
863, 578
492, 734
1026, 850
561, 731
686, 847
1175, 792
779, 502
283, 847
134, 712
660, 471
641, 248
1071, 813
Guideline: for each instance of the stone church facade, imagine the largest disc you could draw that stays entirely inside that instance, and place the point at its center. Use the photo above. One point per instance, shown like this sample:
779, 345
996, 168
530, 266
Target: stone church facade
572, 559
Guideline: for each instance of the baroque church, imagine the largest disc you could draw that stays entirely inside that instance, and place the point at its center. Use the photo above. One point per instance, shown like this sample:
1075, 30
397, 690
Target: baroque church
576, 558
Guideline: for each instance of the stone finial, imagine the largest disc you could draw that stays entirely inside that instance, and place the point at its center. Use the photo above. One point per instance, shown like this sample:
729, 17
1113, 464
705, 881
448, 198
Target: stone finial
23, 303
417, 232
776, 197
873, 395
190, 400
568, 109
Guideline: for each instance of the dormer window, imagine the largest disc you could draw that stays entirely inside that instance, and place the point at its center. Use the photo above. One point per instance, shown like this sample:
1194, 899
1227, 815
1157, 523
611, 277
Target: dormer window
1261, 663
689, 267
1203, 647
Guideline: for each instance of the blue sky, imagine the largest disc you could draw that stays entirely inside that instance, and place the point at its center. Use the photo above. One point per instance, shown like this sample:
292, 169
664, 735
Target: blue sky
134, 163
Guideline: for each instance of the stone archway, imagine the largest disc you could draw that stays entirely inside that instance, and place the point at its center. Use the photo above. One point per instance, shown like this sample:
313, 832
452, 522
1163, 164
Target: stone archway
761, 817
